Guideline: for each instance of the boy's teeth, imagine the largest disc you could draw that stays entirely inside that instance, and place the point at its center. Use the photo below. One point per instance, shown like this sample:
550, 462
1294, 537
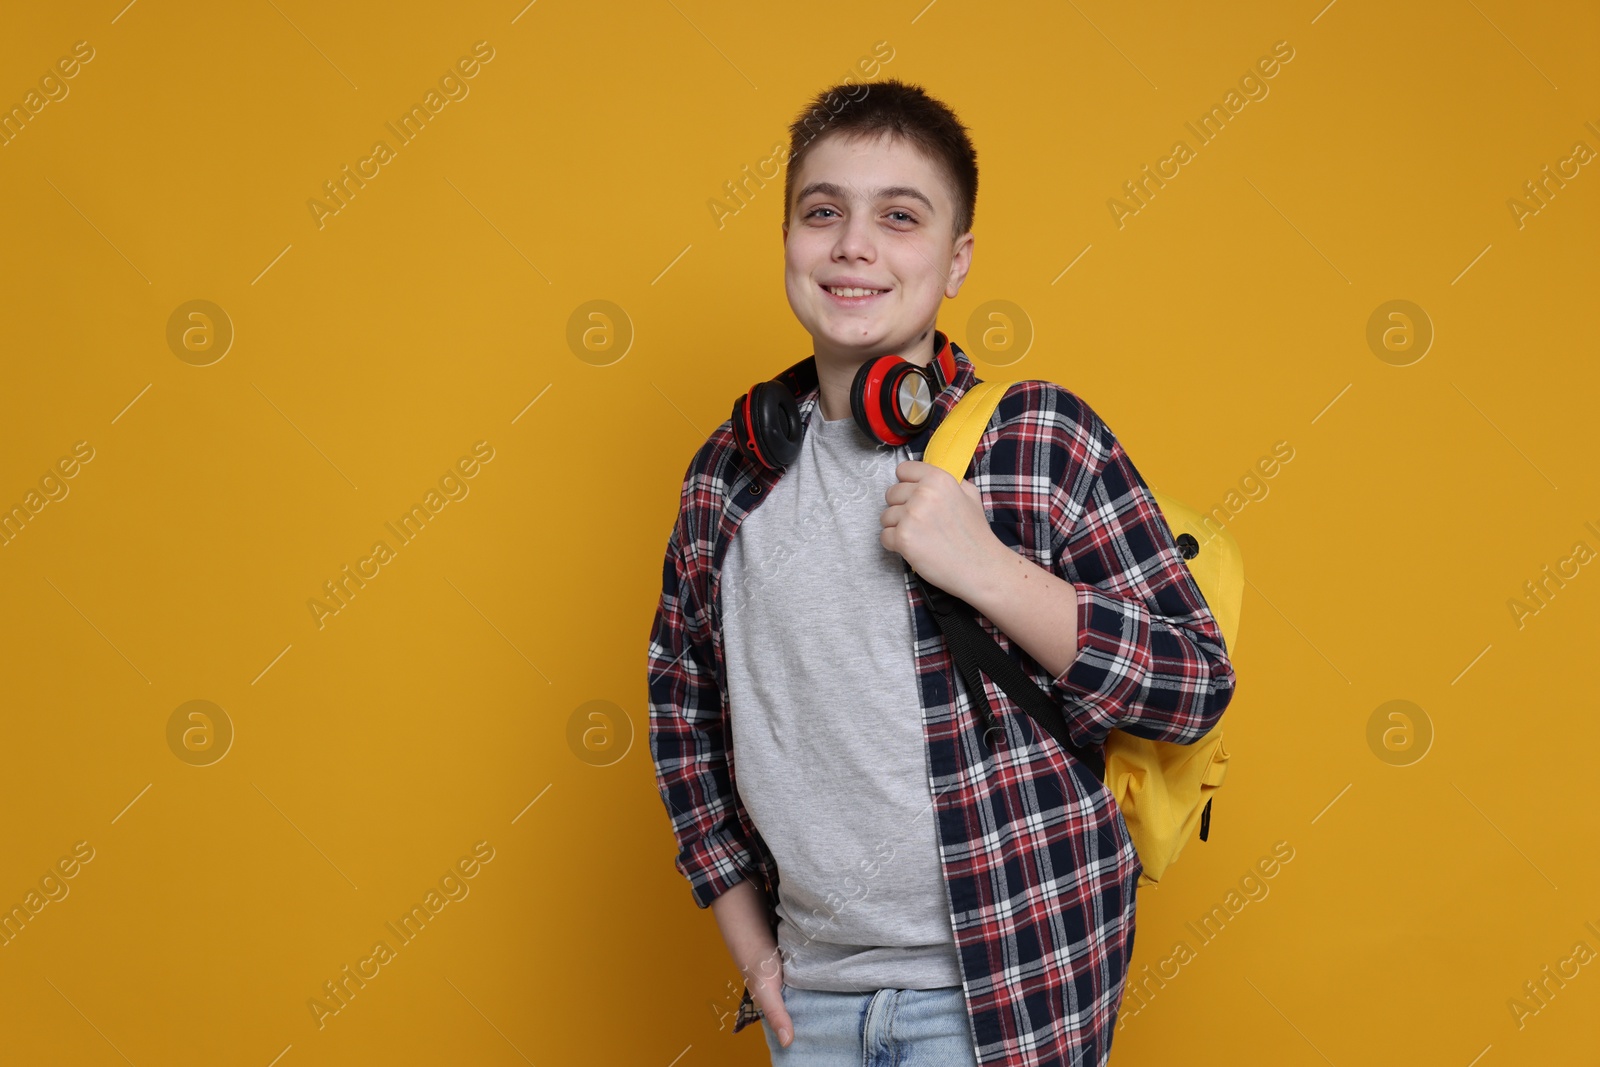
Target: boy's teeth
855, 292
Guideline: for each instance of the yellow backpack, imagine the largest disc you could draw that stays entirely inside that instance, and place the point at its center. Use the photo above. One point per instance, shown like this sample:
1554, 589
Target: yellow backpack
1164, 790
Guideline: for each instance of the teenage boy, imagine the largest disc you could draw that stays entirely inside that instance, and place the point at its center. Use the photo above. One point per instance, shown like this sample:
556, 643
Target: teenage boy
969, 895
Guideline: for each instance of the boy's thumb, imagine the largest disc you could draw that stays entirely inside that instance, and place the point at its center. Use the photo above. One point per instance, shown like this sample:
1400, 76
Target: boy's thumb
785, 1030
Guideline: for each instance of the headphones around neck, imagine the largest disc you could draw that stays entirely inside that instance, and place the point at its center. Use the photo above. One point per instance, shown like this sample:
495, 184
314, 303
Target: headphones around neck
890, 400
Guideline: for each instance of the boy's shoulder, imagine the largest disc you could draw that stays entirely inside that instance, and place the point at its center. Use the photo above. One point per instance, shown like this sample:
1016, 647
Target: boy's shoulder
1038, 409
715, 463
707, 484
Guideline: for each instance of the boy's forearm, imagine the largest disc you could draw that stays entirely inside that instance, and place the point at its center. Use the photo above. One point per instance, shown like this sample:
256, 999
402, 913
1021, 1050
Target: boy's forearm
1031, 606
744, 919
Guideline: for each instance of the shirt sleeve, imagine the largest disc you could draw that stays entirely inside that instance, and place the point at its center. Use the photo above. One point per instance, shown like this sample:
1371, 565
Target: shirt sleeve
688, 742
1151, 658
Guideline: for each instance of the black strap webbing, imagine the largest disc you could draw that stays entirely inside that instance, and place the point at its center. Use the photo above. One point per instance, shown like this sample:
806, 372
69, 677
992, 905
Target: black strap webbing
973, 648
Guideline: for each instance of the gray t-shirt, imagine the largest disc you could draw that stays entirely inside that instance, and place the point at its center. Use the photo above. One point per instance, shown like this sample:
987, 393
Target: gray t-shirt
827, 723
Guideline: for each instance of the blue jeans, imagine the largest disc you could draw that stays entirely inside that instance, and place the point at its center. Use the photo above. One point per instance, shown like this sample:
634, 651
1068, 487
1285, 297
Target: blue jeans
902, 1027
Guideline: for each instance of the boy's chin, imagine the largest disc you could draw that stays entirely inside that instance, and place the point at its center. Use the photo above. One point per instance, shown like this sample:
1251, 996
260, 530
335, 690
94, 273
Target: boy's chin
860, 337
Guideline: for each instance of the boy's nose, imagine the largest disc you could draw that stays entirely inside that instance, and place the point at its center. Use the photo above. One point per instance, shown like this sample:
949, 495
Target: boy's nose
856, 240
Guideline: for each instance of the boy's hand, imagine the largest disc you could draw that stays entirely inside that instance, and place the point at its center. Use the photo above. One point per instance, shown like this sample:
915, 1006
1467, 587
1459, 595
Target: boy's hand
768, 995
939, 526
747, 923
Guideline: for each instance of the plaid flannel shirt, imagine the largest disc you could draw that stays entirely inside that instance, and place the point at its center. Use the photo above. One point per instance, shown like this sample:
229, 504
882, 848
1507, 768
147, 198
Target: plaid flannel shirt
1039, 868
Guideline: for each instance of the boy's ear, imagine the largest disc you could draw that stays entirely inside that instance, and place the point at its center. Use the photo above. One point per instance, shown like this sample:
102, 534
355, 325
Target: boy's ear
960, 264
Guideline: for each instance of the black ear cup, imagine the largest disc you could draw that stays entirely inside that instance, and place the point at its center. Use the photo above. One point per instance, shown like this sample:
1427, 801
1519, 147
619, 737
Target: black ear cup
766, 425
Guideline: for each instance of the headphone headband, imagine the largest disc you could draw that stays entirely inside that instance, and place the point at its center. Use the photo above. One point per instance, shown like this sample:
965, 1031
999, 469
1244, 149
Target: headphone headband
890, 397
801, 377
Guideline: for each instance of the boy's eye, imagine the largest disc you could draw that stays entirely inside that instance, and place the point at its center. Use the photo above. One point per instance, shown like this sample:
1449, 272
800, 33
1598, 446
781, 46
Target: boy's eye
897, 215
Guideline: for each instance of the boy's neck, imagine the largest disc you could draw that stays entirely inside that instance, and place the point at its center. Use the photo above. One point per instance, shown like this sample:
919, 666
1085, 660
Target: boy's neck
836, 372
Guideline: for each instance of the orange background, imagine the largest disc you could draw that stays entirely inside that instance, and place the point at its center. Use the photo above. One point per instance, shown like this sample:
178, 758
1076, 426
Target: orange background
485, 687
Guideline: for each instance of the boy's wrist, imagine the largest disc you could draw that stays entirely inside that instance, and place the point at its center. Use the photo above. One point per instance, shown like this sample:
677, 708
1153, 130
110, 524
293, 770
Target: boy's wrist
990, 578
742, 916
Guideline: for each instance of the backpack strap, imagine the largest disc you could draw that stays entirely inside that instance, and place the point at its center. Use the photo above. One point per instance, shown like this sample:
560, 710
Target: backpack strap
971, 646
974, 648
957, 435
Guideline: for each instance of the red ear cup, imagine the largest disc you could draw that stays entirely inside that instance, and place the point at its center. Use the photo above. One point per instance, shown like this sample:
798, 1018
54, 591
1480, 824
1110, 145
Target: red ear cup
890, 399
766, 425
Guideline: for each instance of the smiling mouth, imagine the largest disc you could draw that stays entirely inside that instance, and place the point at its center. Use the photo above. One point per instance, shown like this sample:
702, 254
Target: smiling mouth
851, 296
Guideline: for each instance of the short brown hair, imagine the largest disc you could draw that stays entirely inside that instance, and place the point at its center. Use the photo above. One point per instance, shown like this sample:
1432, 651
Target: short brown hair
890, 107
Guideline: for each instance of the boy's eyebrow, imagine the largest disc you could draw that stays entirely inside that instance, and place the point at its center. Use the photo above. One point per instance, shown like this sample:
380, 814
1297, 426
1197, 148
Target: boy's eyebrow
889, 193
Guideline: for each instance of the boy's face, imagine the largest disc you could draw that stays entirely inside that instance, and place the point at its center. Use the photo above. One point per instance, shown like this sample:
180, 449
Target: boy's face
872, 214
